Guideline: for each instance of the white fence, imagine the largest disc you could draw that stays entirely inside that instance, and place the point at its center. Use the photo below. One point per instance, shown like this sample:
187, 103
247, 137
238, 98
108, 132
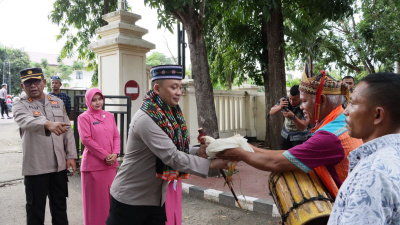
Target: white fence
238, 112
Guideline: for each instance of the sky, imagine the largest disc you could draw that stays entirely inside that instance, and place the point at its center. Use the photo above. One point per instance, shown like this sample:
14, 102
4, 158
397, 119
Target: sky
24, 24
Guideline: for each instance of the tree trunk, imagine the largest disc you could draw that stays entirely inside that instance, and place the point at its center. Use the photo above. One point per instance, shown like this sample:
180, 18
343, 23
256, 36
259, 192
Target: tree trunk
206, 115
275, 80
229, 81
106, 10
397, 67
264, 71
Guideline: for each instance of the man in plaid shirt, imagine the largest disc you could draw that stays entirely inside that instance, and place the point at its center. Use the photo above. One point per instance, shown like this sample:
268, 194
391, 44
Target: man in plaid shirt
55, 90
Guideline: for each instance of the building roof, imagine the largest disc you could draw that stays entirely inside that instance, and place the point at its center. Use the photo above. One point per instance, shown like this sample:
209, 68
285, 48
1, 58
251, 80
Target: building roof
51, 58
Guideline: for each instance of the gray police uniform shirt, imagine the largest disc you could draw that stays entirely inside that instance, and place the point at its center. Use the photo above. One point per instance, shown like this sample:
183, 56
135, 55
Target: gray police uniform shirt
43, 151
136, 182
3, 93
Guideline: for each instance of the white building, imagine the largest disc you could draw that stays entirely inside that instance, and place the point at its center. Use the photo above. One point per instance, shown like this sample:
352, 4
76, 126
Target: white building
80, 79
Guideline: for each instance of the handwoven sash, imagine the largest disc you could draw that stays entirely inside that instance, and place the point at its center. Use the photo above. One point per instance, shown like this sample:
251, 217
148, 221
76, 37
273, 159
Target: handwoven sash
171, 121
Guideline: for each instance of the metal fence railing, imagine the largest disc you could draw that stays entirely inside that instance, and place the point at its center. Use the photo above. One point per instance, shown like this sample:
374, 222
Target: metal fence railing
120, 117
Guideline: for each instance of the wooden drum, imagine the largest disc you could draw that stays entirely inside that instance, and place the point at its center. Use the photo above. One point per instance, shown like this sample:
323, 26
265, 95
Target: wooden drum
300, 198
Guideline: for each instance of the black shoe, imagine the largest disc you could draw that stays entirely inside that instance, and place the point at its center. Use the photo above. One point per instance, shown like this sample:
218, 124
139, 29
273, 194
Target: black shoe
2, 117
10, 117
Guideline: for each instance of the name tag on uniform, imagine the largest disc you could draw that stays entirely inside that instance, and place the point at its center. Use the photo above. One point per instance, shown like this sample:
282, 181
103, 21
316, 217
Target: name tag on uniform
36, 113
96, 122
54, 102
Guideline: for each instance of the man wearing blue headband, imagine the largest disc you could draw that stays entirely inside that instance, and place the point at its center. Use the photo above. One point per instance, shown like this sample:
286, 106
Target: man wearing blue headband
157, 153
56, 91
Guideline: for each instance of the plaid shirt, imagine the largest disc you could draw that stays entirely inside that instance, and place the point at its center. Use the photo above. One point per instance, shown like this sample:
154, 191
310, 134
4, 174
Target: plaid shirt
66, 99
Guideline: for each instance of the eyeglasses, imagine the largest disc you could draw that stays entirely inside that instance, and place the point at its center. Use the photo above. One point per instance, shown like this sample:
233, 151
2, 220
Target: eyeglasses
29, 82
55, 77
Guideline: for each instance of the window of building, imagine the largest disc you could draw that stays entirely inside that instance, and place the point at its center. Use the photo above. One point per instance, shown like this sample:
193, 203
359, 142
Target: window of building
79, 75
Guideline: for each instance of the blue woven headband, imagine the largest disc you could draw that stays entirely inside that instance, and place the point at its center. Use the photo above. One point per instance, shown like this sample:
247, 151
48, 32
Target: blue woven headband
166, 72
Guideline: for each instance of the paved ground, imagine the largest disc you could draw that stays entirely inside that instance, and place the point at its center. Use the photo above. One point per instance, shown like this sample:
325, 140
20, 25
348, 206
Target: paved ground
194, 211
197, 207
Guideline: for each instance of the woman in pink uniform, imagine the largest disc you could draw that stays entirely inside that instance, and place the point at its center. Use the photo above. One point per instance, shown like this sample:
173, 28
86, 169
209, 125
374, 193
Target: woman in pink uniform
99, 134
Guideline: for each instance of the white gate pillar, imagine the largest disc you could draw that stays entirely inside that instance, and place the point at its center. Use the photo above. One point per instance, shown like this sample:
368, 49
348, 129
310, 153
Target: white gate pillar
121, 55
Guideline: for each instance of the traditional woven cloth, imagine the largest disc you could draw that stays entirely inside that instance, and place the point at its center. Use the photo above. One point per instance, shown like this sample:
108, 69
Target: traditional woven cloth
330, 85
322, 84
172, 122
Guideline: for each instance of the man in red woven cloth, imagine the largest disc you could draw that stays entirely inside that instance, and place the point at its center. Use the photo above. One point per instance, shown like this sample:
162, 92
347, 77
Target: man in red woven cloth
326, 150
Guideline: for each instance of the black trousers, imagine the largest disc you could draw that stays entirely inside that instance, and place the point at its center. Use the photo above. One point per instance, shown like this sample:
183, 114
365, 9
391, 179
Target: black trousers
286, 143
37, 188
123, 214
3, 107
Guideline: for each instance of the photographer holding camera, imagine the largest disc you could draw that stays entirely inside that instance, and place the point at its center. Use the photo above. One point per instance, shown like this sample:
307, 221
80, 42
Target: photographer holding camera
295, 128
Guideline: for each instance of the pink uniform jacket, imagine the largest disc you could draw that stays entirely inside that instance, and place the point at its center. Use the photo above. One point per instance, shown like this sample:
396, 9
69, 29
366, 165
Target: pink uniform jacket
99, 134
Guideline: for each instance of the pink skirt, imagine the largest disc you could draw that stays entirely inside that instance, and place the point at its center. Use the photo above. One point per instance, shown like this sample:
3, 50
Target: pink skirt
173, 203
96, 195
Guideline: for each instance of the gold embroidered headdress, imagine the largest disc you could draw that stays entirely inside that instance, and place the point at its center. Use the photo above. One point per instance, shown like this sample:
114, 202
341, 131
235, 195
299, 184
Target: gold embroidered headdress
322, 84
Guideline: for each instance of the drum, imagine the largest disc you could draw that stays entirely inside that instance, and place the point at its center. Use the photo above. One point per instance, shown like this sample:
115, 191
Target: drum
300, 198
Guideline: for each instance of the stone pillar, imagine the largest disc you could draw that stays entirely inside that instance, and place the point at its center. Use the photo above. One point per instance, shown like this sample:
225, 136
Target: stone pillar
121, 55
189, 109
250, 108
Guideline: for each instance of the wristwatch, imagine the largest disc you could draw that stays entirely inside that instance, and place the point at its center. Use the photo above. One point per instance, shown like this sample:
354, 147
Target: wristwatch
294, 116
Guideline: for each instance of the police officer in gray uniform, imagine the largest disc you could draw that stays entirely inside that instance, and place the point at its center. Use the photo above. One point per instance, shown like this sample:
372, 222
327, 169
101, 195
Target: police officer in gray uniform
48, 149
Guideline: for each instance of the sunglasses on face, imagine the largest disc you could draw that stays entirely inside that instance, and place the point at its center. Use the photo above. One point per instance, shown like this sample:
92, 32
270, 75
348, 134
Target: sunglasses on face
28, 83
55, 77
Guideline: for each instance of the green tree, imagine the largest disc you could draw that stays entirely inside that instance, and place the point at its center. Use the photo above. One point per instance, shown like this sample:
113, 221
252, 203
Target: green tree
250, 40
226, 50
191, 14
64, 73
362, 42
157, 58
62, 70
78, 65
264, 40
48, 72
368, 38
78, 21
18, 60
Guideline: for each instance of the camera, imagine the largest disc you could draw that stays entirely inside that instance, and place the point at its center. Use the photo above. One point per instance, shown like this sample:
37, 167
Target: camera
286, 108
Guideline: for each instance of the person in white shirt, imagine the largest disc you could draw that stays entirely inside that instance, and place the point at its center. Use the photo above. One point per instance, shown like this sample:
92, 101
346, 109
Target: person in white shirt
3, 99
371, 192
